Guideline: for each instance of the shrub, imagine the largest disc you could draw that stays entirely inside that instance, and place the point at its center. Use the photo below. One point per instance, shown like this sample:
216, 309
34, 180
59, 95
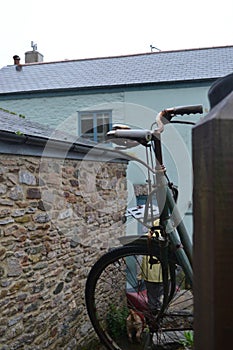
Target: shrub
116, 321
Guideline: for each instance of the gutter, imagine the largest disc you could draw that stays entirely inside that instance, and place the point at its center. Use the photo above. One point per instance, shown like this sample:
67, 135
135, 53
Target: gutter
104, 88
29, 145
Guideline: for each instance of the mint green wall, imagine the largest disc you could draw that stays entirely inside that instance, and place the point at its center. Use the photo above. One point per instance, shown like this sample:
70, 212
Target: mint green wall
54, 109
180, 171
57, 110
136, 107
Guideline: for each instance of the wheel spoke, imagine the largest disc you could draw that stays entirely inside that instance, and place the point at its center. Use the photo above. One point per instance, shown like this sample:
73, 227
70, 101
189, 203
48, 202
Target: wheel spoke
115, 286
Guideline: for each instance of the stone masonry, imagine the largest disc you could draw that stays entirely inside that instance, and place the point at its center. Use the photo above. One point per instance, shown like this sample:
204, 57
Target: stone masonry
56, 218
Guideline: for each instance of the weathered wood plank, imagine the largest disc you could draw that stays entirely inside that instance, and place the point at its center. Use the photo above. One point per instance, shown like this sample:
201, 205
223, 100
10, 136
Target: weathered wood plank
213, 228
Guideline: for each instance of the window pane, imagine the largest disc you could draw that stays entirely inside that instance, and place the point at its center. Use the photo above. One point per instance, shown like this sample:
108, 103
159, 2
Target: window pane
95, 125
87, 126
102, 125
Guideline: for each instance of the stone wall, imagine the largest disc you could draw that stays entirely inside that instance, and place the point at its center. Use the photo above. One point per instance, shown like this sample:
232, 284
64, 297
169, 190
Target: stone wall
56, 218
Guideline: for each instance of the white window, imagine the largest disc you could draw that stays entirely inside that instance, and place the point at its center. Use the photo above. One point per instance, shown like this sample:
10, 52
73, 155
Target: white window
94, 125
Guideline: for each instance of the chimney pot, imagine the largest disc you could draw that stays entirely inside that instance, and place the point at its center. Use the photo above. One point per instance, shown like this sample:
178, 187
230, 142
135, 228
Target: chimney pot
16, 59
33, 57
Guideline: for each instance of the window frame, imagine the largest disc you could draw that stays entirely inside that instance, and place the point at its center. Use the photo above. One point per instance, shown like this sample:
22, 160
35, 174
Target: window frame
95, 119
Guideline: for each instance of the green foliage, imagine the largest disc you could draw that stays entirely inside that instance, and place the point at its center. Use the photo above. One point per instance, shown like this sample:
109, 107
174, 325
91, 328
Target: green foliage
92, 345
189, 339
19, 133
116, 321
6, 110
13, 113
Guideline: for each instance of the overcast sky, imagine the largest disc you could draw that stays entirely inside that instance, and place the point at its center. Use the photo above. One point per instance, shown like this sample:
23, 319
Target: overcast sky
73, 29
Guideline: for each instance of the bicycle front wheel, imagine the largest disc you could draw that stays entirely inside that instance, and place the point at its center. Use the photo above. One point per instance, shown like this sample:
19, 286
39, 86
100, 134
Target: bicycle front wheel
123, 309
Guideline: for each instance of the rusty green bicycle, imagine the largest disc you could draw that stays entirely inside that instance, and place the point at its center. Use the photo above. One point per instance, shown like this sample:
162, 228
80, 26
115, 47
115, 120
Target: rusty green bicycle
118, 282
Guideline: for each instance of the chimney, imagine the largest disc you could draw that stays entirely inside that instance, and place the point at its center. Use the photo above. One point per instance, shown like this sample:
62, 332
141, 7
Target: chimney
16, 59
33, 56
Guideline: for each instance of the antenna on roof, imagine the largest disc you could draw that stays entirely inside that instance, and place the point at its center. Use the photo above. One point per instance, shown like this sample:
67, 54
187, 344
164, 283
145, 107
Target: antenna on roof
152, 48
34, 46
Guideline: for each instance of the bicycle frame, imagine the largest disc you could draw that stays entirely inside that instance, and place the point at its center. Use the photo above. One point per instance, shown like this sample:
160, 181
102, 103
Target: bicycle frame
170, 219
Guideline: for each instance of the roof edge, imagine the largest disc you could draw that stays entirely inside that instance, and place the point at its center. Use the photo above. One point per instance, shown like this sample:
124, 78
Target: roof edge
100, 88
28, 145
126, 55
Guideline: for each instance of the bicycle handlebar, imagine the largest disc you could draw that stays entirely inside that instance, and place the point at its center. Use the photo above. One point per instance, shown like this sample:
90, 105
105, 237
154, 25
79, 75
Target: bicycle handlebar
135, 136
169, 113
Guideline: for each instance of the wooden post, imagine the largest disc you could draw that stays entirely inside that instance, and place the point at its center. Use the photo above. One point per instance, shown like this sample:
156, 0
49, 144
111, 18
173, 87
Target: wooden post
213, 228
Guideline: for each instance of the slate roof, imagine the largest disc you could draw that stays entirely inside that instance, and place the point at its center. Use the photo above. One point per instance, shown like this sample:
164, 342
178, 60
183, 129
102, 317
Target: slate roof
35, 136
11, 122
150, 68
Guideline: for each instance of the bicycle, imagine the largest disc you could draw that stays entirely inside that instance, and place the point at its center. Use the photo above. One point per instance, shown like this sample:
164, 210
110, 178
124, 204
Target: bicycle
113, 285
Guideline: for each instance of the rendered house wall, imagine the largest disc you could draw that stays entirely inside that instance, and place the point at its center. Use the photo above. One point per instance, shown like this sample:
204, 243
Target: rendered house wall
134, 106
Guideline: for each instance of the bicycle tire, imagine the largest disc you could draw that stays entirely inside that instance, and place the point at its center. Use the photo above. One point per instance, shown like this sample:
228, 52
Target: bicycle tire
107, 302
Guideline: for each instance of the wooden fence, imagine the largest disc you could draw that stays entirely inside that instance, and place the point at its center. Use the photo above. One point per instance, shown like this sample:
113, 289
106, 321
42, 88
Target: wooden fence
213, 228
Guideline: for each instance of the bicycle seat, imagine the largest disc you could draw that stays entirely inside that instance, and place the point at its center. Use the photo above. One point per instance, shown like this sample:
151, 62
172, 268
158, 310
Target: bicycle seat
127, 138
220, 89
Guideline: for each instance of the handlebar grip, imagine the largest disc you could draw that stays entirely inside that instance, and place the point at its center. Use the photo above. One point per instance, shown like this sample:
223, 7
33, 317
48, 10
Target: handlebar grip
141, 136
185, 110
